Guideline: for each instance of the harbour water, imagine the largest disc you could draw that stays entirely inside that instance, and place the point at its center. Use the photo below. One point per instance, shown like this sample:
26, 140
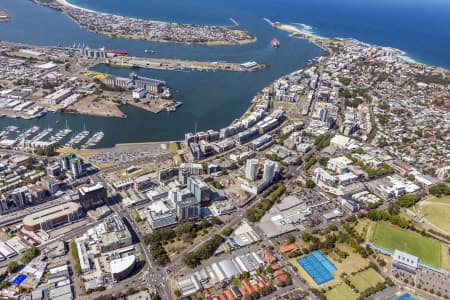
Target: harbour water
214, 99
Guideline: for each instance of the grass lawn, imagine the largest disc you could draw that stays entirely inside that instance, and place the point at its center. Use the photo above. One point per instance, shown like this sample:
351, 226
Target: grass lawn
445, 262
173, 249
438, 214
391, 238
366, 279
363, 227
443, 199
341, 292
352, 263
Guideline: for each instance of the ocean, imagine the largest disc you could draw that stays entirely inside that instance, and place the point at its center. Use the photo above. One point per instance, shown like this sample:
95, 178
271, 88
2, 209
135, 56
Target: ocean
214, 99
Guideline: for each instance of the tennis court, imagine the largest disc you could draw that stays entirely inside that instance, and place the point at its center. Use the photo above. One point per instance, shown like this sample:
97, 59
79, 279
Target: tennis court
318, 267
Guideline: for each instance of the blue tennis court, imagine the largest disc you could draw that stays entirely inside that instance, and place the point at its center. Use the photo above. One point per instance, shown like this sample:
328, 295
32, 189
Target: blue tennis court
406, 297
318, 267
19, 279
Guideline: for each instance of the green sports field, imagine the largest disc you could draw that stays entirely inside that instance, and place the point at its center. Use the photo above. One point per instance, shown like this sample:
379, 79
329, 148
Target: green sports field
391, 238
438, 214
443, 199
366, 279
341, 292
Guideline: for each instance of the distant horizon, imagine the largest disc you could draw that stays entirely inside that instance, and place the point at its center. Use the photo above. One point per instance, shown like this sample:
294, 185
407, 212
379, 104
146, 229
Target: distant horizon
397, 13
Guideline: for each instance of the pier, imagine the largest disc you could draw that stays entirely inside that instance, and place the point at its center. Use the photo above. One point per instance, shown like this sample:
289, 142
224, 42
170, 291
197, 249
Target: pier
29, 139
177, 64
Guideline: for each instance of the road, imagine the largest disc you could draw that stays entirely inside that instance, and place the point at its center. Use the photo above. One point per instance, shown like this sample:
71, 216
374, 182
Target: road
152, 279
18, 152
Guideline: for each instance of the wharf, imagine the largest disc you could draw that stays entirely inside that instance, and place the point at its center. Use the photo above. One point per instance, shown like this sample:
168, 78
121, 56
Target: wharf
179, 65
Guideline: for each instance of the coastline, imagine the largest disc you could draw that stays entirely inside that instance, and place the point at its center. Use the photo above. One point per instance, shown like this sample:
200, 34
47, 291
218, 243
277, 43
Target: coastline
68, 4
298, 33
140, 38
321, 42
172, 32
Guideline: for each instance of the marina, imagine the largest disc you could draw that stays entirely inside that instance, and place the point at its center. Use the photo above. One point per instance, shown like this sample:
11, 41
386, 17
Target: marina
35, 137
61, 134
42, 134
93, 140
77, 138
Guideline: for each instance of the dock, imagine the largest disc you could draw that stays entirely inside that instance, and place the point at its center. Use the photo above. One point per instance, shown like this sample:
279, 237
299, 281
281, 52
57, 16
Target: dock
179, 65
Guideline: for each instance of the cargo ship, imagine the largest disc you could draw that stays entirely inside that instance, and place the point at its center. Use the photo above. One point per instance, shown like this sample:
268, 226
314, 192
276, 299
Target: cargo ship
275, 43
116, 52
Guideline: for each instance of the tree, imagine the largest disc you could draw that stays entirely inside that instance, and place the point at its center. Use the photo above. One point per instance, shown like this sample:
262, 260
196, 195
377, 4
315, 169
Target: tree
310, 184
306, 236
29, 163
206, 250
177, 293
440, 189
75, 258
28, 255
290, 239
217, 185
393, 208
215, 220
408, 200
4, 284
309, 163
323, 161
227, 231
12, 267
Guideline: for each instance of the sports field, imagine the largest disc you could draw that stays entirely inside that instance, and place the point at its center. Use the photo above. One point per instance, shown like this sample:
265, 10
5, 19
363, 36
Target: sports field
341, 292
438, 215
391, 238
434, 199
366, 279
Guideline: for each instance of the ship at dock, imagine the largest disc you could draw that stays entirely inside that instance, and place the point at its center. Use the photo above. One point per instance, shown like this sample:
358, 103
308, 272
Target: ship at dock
174, 107
86, 51
114, 53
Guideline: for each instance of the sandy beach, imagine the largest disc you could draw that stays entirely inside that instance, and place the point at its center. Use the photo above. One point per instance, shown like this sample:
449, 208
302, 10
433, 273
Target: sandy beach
68, 4
290, 28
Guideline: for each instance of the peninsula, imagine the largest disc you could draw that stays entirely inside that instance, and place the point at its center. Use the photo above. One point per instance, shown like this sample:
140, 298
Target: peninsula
149, 30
